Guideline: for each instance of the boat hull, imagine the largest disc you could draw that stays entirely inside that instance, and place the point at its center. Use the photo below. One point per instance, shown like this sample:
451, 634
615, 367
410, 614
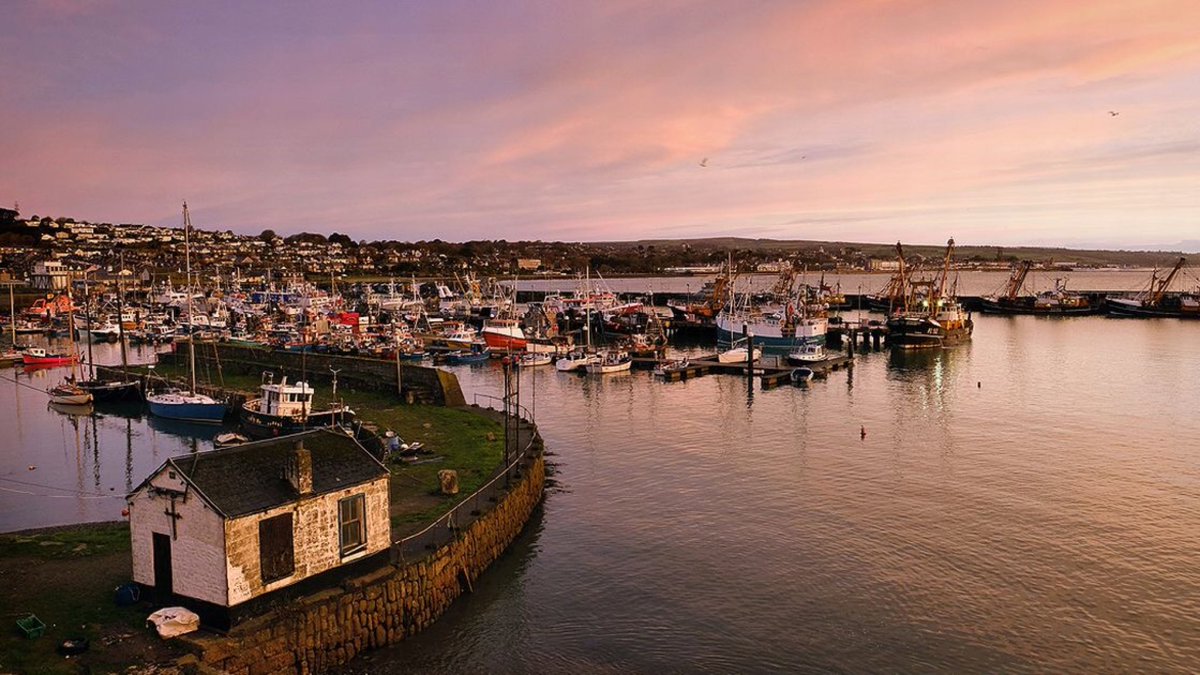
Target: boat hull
729, 336
71, 399
208, 413
46, 360
261, 425
503, 342
605, 369
914, 333
993, 307
109, 392
1143, 311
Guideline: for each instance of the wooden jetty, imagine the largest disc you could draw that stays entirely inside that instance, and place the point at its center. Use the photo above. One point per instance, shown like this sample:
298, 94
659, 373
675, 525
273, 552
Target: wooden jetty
771, 370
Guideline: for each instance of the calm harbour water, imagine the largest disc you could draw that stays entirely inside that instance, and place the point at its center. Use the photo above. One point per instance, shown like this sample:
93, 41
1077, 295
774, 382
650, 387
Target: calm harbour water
1029, 501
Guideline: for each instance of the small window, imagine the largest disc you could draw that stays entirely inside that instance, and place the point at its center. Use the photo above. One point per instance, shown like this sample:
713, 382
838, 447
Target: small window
275, 554
352, 525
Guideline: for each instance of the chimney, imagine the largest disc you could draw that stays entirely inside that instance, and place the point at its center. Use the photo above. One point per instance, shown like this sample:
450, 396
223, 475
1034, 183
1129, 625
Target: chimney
299, 469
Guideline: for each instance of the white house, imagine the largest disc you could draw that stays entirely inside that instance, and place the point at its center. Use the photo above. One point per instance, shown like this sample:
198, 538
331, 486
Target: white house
52, 275
230, 531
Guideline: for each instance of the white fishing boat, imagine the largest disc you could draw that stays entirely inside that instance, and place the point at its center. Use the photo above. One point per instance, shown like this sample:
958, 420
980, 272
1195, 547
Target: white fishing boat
738, 355
532, 360
809, 353
667, 368
610, 361
576, 360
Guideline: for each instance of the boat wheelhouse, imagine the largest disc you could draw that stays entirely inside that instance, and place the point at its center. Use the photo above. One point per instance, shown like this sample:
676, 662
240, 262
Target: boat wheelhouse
287, 408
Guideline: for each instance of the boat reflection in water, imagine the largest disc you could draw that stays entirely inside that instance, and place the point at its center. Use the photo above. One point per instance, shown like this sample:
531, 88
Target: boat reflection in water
185, 429
69, 409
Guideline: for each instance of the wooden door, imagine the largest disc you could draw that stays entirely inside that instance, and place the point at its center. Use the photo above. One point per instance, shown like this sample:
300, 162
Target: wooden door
162, 567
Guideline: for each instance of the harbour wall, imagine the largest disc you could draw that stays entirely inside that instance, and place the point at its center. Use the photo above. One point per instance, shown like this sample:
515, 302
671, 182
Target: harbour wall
322, 632
419, 384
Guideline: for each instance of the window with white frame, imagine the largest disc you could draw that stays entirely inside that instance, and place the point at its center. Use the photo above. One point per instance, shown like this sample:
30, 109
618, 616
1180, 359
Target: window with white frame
352, 524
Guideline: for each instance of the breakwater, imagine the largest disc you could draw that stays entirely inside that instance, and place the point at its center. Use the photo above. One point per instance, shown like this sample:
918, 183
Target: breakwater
417, 384
324, 631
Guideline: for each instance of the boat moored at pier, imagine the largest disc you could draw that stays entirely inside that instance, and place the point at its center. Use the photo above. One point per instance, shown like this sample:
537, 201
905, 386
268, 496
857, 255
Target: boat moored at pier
932, 317
287, 408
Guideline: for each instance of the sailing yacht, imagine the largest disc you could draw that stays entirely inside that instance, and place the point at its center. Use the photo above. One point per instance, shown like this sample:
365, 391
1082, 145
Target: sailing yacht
187, 406
67, 392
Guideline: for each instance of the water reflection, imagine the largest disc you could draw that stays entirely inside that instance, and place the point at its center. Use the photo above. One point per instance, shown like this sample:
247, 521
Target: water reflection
64, 464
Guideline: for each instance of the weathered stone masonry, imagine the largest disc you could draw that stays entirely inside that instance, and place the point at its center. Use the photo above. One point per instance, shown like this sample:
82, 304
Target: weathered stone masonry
324, 631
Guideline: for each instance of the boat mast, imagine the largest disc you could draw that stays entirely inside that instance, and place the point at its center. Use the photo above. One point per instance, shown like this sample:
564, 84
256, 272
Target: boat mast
12, 314
187, 261
121, 318
87, 314
936, 300
1017, 280
1158, 292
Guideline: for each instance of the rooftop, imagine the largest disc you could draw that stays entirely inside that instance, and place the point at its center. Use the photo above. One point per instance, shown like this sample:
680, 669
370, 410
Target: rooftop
249, 478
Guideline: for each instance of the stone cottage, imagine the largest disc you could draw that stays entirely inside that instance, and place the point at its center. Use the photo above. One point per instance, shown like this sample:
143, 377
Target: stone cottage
230, 532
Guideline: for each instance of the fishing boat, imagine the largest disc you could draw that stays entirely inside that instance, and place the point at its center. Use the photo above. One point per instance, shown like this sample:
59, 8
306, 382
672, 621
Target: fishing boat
798, 321
610, 361
38, 356
479, 352
1060, 301
739, 354
1153, 300
105, 332
667, 368
575, 360
68, 393
932, 319
187, 405
806, 354
504, 335
533, 360
111, 391
285, 408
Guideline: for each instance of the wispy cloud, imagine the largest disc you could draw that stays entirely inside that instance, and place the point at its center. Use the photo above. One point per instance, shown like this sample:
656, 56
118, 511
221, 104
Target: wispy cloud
864, 120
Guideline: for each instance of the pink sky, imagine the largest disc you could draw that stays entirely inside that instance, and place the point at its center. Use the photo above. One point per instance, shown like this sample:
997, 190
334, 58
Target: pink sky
864, 121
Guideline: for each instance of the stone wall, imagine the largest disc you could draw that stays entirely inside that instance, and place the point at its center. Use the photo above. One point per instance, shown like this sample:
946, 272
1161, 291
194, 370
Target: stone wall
422, 384
315, 539
322, 632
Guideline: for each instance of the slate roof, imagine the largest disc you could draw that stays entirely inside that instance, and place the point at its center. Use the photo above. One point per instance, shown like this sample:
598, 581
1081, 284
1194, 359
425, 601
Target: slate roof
248, 478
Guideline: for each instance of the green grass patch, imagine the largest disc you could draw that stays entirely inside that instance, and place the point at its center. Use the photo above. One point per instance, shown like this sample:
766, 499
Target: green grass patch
67, 578
458, 439
83, 541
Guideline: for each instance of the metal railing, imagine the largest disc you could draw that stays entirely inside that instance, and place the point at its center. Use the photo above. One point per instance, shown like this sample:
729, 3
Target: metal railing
522, 411
446, 527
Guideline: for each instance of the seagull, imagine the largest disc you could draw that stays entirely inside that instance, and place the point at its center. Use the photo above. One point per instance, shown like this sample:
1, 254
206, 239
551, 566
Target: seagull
704, 162
1113, 113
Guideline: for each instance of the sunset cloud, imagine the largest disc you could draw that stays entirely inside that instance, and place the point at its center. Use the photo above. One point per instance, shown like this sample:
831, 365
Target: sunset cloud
865, 120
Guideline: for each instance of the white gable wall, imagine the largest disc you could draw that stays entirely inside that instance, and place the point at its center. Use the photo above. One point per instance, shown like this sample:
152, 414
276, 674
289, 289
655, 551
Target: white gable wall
198, 549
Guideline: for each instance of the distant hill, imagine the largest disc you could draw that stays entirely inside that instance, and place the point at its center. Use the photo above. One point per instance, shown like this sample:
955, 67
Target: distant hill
1141, 258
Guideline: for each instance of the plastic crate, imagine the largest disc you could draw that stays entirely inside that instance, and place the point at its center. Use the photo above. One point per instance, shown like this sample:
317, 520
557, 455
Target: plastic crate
31, 626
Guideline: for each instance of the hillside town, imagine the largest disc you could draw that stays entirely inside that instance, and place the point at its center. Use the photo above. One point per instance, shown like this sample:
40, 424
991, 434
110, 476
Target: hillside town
41, 247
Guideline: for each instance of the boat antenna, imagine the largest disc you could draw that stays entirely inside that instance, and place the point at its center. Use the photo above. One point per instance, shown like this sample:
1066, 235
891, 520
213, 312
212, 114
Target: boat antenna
187, 261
